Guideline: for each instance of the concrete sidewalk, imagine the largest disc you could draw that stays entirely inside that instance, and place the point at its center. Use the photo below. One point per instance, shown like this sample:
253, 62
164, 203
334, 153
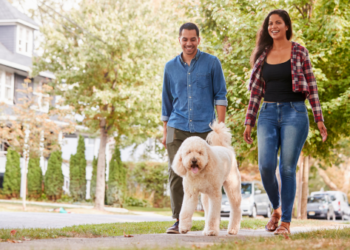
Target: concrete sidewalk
50, 204
148, 240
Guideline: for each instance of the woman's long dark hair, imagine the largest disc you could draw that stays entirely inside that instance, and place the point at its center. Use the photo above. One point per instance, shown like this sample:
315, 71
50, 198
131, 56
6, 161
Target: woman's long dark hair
263, 38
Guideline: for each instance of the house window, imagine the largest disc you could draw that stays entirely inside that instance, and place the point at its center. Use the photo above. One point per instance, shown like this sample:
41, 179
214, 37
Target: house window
41, 100
25, 40
6, 87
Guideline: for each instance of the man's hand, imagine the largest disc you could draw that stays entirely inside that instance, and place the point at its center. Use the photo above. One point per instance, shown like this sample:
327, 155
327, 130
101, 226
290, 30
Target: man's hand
323, 130
246, 134
164, 133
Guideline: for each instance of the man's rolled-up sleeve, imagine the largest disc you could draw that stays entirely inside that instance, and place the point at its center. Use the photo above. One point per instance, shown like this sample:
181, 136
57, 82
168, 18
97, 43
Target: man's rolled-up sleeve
219, 84
167, 99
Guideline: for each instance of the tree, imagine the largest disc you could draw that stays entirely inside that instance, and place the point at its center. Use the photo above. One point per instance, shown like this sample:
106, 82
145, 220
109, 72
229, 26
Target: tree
111, 54
12, 176
93, 179
116, 180
54, 179
35, 178
77, 172
34, 131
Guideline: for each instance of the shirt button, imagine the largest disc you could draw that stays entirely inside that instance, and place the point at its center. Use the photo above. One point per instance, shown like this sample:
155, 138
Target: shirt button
190, 85
190, 109
189, 73
190, 97
190, 120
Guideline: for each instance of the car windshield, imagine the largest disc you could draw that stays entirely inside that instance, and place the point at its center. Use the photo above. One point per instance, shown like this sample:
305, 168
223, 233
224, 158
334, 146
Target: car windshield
316, 199
246, 188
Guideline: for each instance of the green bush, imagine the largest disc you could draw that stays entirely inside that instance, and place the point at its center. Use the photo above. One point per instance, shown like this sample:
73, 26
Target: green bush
43, 197
93, 179
35, 178
12, 176
54, 177
116, 180
134, 202
152, 179
65, 198
77, 172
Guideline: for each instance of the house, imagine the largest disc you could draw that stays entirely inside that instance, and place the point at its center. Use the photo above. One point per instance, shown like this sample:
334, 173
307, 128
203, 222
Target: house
17, 39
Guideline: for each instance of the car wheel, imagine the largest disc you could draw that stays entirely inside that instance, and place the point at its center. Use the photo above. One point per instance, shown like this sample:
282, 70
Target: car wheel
268, 212
254, 212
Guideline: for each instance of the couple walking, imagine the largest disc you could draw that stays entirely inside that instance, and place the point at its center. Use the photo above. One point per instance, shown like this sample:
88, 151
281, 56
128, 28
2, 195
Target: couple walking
194, 83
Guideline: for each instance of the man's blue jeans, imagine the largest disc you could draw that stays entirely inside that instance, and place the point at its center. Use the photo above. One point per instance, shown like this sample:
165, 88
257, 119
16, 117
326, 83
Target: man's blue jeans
284, 126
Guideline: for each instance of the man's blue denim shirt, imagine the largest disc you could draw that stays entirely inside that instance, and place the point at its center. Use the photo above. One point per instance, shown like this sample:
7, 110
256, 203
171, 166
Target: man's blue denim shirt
191, 92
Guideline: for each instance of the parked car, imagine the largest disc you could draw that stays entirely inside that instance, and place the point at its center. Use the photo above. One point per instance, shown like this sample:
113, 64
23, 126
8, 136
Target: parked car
340, 203
254, 201
320, 206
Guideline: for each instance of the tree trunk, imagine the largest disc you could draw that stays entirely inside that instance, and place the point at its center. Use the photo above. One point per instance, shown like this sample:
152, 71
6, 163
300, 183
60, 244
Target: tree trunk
300, 184
326, 179
346, 182
101, 164
305, 189
296, 200
25, 183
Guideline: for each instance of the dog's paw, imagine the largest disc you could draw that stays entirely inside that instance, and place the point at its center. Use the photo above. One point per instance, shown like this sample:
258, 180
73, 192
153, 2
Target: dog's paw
233, 231
183, 230
211, 232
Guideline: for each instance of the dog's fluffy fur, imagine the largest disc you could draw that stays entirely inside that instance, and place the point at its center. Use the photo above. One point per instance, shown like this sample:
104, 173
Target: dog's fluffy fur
205, 168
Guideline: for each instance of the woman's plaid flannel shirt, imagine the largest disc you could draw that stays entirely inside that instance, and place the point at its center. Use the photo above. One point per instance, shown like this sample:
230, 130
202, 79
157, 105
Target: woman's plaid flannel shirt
303, 80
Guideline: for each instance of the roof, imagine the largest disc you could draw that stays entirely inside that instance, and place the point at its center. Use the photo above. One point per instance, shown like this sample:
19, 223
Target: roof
9, 13
20, 62
14, 60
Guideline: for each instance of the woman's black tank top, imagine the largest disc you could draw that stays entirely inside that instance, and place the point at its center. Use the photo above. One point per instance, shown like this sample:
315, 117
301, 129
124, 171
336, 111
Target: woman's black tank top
278, 83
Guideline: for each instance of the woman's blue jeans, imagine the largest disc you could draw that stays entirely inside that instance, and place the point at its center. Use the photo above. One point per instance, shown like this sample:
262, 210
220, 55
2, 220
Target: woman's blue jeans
285, 126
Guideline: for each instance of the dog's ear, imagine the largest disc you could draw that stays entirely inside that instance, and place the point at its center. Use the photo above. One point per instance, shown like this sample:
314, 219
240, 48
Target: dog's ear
177, 165
210, 157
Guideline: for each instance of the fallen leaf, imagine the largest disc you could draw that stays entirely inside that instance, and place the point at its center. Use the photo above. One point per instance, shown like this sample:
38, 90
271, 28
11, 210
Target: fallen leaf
14, 241
127, 235
25, 239
286, 237
13, 232
195, 247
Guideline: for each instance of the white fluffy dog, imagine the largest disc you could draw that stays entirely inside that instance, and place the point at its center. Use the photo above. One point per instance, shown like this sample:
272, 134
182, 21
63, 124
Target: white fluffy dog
205, 169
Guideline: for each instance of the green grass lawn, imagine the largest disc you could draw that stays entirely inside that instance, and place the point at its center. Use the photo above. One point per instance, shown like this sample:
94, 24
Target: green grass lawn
148, 209
112, 229
321, 239
117, 229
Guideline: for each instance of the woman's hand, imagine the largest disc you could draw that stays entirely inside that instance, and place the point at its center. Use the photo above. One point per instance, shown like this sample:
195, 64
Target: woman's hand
247, 133
323, 130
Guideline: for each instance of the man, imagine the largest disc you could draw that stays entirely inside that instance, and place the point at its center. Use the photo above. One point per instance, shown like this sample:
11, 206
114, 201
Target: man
193, 83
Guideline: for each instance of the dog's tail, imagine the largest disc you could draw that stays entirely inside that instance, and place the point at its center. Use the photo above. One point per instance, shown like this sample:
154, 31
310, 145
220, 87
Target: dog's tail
220, 136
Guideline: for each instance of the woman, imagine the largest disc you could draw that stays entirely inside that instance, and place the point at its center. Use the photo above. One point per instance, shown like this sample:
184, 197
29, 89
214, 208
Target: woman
282, 75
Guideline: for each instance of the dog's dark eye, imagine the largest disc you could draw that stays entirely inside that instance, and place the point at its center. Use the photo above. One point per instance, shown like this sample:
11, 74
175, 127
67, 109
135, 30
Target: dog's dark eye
200, 152
189, 151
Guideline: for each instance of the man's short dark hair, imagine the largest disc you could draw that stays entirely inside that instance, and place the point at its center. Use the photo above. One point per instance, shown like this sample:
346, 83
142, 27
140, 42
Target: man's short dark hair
189, 26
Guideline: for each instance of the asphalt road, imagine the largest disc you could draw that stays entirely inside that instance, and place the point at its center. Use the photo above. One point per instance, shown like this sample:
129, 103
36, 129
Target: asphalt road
57, 220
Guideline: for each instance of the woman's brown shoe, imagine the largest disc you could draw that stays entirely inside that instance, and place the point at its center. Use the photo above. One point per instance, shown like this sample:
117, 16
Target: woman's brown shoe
273, 222
283, 229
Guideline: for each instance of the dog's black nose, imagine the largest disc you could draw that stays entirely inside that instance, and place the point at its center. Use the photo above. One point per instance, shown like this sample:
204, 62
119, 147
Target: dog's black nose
194, 161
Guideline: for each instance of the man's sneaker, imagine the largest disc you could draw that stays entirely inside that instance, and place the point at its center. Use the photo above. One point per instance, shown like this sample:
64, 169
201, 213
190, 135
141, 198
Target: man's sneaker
174, 229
